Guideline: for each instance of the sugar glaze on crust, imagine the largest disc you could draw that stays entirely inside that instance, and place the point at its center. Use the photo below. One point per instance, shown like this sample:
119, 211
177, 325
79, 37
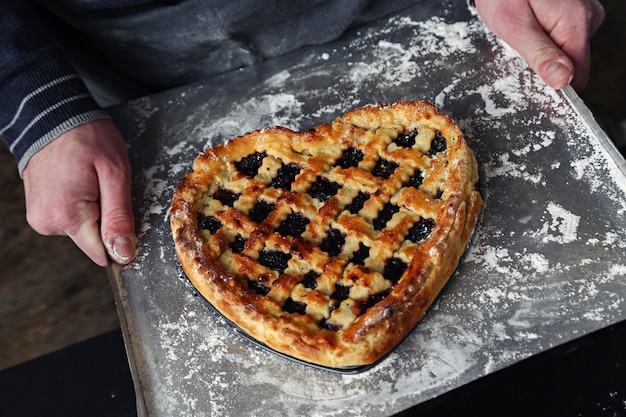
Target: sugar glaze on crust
329, 245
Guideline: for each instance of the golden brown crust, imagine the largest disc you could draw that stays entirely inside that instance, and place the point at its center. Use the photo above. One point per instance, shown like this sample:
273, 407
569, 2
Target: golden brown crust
330, 245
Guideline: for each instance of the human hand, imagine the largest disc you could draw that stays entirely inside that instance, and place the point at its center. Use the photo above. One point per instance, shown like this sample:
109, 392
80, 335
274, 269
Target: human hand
75, 181
551, 35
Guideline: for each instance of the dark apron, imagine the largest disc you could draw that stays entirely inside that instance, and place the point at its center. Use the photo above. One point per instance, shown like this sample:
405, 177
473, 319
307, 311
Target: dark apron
149, 46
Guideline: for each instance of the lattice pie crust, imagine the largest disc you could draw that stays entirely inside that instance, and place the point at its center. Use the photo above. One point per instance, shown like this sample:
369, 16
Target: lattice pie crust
329, 245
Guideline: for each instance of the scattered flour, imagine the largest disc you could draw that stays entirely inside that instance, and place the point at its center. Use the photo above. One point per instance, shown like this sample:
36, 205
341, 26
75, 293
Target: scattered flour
258, 112
508, 100
561, 227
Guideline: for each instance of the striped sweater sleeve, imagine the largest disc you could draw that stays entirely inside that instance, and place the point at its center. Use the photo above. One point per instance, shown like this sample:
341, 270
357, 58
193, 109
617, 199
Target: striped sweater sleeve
41, 94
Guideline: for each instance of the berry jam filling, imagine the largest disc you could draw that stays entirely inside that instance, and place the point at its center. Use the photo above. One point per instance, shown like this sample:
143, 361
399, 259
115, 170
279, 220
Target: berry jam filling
407, 140
294, 307
385, 215
350, 158
225, 196
322, 189
384, 168
329, 326
310, 280
274, 259
415, 180
285, 176
333, 242
360, 255
357, 202
341, 293
420, 230
362, 306
209, 223
438, 144
249, 165
238, 244
261, 211
394, 268
293, 225
258, 288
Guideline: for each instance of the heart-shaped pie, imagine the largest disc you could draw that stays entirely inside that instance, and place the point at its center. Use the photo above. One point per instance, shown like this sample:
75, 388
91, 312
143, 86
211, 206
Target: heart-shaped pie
329, 245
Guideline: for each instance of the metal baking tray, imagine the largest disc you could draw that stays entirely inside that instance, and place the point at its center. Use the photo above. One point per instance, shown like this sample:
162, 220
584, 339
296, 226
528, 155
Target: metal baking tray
547, 263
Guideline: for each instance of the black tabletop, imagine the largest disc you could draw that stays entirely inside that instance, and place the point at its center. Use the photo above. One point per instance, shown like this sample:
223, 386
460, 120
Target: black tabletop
585, 377
91, 378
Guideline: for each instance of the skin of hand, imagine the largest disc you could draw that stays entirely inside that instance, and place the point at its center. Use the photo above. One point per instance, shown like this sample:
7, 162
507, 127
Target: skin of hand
551, 35
80, 179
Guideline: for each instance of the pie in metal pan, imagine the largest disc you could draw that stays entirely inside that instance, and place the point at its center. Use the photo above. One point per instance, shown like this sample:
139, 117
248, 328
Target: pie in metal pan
328, 246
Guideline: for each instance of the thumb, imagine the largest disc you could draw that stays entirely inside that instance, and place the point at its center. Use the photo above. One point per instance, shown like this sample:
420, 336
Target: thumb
547, 60
516, 23
117, 225
120, 244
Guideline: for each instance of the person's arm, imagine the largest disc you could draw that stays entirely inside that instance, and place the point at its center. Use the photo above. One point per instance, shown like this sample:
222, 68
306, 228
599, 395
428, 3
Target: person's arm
71, 157
551, 35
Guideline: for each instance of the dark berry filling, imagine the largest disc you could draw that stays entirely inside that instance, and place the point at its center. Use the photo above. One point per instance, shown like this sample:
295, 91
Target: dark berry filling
384, 168
285, 176
394, 268
333, 242
385, 215
238, 244
294, 307
341, 293
310, 280
274, 259
359, 255
225, 196
329, 326
249, 165
350, 158
261, 211
357, 202
362, 306
209, 223
258, 288
438, 144
420, 230
416, 179
323, 189
407, 140
293, 225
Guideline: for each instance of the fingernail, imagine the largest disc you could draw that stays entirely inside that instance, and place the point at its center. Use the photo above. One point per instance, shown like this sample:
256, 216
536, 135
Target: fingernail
124, 249
558, 75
